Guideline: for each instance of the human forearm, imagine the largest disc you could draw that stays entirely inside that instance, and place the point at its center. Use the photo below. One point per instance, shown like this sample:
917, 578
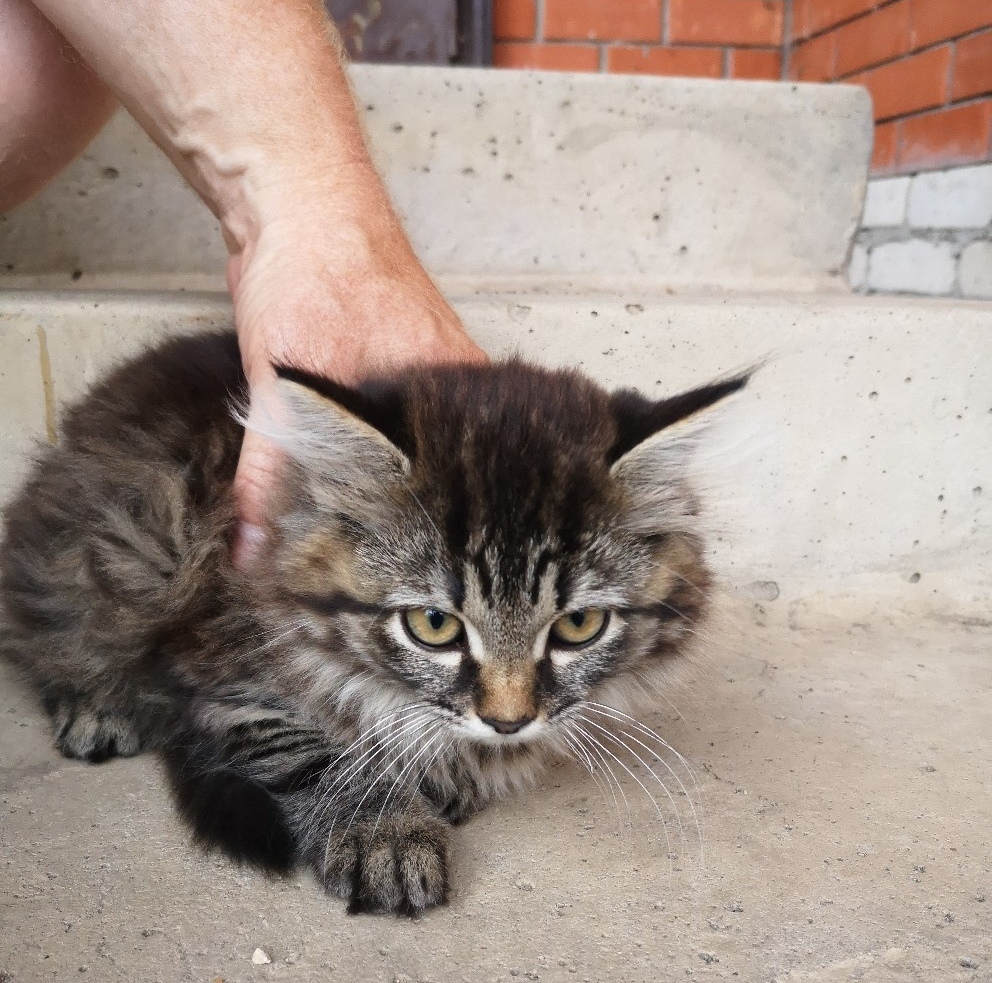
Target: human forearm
51, 103
249, 101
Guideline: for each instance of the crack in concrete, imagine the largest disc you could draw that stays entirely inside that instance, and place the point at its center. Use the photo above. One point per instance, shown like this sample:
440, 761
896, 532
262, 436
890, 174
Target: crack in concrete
48, 386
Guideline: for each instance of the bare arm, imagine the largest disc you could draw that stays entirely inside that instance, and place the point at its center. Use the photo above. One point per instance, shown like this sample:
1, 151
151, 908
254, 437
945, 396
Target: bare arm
251, 103
51, 102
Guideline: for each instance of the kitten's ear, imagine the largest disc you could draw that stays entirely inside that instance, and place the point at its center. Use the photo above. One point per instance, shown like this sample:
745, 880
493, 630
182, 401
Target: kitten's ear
653, 436
343, 434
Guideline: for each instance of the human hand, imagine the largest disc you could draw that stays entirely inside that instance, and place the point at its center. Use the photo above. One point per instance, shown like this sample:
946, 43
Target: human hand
251, 103
345, 304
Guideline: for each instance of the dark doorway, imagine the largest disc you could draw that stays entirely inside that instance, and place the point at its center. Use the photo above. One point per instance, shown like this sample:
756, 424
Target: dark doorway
415, 32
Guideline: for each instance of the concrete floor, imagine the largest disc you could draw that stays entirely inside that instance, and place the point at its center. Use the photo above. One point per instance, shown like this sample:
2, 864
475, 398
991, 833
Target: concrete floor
844, 791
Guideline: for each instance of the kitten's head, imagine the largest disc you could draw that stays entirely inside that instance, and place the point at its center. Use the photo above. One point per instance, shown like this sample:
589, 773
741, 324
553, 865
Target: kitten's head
498, 542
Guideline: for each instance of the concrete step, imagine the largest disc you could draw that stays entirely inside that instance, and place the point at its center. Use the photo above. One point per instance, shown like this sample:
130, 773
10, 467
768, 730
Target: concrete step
865, 474
536, 178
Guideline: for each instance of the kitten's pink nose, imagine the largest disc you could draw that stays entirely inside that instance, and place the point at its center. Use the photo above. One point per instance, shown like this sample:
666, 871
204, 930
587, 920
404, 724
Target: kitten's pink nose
507, 726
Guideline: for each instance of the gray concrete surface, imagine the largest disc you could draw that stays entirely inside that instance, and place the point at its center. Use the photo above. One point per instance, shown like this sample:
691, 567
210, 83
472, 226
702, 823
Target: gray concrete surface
844, 792
534, 177
857, 464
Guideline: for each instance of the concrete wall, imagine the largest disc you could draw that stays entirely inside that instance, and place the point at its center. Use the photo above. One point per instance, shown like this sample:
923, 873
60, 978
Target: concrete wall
927, 63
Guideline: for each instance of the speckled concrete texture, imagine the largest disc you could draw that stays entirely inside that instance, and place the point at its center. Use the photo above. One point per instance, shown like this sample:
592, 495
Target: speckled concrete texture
840, 775
856, 464
519, 175
836, 722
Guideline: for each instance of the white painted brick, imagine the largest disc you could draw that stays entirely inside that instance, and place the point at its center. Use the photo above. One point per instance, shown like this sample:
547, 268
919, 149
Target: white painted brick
960, 198
975, 271
915, 267
857, 270
885, 202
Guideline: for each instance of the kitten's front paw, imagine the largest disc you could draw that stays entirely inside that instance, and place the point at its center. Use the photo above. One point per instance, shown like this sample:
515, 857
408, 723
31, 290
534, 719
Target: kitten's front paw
91, 735
455, 808
400, 866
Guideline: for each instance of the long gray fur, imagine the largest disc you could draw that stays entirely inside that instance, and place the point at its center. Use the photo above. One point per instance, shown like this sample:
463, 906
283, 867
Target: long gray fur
297, 723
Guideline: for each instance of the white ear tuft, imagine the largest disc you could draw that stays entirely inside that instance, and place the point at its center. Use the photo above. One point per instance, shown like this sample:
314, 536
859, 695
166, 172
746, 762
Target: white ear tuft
326, 439
665, 443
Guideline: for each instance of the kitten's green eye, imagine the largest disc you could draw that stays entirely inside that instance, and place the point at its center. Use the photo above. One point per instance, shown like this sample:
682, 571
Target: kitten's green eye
432, 627
579, 627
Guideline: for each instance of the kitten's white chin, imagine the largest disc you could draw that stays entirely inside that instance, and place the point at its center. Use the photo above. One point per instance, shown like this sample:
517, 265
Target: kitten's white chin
482, 733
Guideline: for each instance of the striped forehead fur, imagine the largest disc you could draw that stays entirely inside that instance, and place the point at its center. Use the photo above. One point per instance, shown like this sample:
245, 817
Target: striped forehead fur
507, 460
523, 493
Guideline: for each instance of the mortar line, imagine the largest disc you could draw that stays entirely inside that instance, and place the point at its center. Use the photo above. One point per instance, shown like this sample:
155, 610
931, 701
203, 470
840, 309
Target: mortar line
786, 40
952, 65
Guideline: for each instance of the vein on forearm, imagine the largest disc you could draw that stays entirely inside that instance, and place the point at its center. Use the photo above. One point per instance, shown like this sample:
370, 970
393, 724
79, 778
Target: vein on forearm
249, 101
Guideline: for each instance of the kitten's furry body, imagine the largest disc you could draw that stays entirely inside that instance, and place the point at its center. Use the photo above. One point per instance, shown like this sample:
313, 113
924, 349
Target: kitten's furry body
298, 719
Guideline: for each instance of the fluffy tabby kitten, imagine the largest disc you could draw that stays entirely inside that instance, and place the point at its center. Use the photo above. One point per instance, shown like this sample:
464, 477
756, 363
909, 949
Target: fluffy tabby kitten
461, 560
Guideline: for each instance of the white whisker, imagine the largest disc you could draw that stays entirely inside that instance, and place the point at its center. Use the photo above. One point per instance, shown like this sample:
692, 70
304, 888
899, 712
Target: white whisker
383, 772
581, 754
381, 744
654, 687
296, 626
437, 732
627, 719
597, 748
620, 717
626, 747
643, 787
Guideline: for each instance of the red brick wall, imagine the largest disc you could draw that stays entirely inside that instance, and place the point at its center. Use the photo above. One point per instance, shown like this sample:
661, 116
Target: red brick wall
710, 38
927, 64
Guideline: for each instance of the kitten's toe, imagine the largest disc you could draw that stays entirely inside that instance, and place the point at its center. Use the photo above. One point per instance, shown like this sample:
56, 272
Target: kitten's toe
401, 866
456, 808
458, 811
92, 736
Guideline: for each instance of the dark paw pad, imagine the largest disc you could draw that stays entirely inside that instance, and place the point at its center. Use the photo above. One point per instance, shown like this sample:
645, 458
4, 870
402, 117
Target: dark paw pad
400, 866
